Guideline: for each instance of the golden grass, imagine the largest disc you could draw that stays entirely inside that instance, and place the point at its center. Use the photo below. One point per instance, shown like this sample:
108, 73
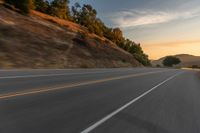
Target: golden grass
73, 26
68, 24
43, 41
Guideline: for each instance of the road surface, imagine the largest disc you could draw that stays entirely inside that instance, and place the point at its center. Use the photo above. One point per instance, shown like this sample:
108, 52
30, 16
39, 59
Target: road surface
139, 100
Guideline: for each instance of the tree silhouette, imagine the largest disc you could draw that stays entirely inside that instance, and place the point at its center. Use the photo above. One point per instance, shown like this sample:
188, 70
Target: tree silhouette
169, 61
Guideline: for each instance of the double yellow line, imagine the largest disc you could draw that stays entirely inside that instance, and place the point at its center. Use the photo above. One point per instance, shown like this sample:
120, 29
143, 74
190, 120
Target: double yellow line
43, 90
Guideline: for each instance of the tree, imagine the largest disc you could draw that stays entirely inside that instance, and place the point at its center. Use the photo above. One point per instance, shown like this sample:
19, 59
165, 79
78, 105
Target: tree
42, 6
169, 61
76, 12
117, 35
135, 50
23, 5
87, 16
60, 9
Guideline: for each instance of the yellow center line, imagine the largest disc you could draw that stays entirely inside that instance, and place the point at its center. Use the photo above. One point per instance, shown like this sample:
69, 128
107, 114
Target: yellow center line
29, 92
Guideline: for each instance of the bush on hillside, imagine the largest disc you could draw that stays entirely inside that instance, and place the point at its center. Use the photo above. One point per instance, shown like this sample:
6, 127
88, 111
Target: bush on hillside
42, 6
23, 5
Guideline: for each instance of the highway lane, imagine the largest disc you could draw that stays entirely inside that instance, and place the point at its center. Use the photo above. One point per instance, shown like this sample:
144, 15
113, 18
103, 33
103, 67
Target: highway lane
173, 108
32, 72
77, 108
27, 79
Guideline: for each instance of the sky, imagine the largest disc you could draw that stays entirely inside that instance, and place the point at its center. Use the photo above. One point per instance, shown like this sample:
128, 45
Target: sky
163, 27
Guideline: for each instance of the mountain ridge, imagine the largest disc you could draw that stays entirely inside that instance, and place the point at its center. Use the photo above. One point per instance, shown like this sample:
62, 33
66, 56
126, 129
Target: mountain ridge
187, 60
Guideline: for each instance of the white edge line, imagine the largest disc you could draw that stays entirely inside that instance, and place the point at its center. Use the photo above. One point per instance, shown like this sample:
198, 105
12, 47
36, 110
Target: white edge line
98, 123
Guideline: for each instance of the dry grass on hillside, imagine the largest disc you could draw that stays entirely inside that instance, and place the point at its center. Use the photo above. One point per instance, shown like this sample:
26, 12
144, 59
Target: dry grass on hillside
70, 25
43, 41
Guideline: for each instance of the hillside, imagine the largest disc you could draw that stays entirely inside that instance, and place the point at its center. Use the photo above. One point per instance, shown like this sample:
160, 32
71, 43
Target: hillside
186, 60
43, 41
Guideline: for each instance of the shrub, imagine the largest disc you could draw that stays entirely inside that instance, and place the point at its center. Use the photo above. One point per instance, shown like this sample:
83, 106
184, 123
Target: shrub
84, 66
195, 66
80, 39
42, 6
124, 60
158, 65
23, 5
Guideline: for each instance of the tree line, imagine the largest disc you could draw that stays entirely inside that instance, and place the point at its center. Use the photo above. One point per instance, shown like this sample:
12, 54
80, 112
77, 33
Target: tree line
86, 16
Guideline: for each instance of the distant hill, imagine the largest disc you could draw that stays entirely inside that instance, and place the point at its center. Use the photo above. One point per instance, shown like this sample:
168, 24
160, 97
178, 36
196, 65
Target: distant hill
186, 60
43, 41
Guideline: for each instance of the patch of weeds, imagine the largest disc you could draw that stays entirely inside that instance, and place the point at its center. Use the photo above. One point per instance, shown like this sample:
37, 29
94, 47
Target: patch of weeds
84, 66
81, 39
82, 35
124, 61
158, 65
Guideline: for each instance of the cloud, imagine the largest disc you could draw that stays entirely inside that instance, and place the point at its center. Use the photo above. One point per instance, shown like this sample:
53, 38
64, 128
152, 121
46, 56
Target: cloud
132, 18
173, 44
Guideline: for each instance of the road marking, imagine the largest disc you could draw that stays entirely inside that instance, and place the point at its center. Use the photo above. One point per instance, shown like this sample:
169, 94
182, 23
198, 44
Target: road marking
51, 75
48, 75
98, 123
23, 93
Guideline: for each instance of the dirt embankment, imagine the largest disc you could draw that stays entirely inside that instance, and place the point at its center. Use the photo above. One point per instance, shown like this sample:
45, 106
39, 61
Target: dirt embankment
42, 41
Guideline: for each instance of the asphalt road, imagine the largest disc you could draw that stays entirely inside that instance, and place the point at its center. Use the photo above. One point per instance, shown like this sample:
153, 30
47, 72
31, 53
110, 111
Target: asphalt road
139, 100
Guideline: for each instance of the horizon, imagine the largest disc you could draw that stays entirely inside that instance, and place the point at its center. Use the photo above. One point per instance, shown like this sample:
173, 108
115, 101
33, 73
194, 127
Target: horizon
162, 27
67, 69
175, 55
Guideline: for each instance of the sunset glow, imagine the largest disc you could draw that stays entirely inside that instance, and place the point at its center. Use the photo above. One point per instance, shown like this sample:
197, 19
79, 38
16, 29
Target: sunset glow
162, 27
172, 48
